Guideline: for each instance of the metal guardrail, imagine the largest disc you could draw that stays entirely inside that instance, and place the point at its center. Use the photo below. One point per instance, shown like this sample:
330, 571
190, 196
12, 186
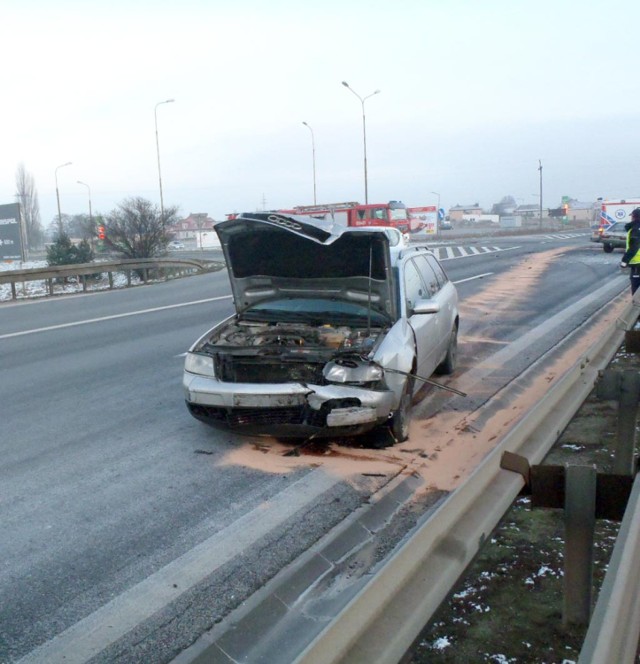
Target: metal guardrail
166, 267
615, 625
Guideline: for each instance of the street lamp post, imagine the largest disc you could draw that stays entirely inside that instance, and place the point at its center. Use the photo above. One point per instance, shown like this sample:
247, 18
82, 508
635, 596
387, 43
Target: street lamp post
364, 135
89, 194
58, 196
313, 153
540, 169
155, 113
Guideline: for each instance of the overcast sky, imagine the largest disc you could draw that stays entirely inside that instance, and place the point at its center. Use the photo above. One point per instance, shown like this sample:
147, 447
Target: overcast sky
472, 94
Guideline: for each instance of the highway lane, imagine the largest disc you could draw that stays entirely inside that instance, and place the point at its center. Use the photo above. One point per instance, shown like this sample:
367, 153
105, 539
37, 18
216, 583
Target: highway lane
105, 478
106, 481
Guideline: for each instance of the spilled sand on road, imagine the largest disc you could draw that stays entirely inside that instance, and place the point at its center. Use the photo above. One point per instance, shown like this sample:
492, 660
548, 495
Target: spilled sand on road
446, 448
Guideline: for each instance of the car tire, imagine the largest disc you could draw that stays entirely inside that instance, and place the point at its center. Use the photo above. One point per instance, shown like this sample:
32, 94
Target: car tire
400, 420
448, 365
608, 248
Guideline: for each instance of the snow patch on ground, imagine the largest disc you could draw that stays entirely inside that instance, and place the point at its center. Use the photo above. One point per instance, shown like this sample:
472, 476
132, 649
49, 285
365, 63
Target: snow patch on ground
441, 644
39, 288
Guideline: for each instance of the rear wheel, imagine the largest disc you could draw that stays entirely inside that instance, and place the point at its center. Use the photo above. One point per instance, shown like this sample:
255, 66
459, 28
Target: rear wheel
448, 365
401, 419
608, 248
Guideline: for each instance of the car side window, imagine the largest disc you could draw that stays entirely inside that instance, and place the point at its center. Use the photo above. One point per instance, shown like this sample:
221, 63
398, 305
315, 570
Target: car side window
414, 289
437, 268
429, 276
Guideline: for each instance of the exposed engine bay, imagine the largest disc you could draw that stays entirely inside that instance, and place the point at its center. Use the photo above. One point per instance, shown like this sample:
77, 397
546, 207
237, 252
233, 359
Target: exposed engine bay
274, 352
243, 334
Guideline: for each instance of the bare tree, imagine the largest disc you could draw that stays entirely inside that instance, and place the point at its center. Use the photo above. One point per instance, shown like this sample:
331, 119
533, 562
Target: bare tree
137, 229
27, 196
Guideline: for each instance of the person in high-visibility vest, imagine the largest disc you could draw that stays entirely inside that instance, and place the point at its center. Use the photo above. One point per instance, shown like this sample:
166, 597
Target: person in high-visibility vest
631, 256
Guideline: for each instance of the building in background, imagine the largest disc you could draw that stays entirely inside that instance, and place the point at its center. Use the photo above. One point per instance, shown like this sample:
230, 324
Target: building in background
191, 227
460, 212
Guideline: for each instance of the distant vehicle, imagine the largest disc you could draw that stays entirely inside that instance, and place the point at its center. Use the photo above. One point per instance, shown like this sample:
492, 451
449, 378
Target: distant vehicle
334, 327
445, 226
393, 213
595, 233
614, 237
614, 211
175, 244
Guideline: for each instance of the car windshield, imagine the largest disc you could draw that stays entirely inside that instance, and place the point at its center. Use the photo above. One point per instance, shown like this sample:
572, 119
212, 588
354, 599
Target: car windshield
315, 310
398, 214
618, 227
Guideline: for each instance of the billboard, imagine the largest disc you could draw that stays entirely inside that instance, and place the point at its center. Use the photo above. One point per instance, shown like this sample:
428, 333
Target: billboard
423, 219
10, 233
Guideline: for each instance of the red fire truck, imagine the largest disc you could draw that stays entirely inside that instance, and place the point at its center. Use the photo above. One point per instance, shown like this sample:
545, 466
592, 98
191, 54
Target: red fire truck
393, 213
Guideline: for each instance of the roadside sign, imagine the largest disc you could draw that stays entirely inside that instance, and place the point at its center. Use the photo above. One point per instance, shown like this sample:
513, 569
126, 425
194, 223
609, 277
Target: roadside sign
10, 233
423, 219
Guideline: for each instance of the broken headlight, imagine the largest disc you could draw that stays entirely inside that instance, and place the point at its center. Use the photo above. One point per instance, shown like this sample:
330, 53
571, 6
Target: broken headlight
202, 365
352, 372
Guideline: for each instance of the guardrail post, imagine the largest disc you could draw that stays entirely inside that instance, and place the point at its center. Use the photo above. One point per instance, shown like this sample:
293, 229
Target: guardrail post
145, 275
14, 295
50, 286
128, 277
580, 518
110, 280
624, 462
624, 387
83, 278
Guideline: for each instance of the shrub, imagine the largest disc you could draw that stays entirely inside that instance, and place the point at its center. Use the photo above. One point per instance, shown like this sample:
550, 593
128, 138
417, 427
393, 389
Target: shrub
64, 252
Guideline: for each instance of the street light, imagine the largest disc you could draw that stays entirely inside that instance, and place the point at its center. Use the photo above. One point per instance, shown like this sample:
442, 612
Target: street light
155, 113
58, 196
89, 193
313, 149
540, 169
364, 135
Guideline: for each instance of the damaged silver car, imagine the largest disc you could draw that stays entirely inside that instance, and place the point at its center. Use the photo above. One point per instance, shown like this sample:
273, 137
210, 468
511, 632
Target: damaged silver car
334, 329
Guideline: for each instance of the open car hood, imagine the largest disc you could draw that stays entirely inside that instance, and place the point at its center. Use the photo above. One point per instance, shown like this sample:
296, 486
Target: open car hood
273, 256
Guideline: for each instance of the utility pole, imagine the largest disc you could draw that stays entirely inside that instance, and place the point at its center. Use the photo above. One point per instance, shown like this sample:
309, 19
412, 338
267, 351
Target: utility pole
540, 169
55, 173
155, 115
313, 149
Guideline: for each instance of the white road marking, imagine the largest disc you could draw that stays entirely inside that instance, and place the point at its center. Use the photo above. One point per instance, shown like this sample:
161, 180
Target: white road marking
91, 635
477, 276
563, 236
448, 253
113, 317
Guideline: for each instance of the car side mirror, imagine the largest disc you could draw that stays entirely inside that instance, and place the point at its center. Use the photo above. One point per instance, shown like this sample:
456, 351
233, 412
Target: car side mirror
425, 307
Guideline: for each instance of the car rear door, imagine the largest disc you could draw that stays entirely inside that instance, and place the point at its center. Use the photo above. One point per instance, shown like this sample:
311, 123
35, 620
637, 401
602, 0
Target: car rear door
427, 327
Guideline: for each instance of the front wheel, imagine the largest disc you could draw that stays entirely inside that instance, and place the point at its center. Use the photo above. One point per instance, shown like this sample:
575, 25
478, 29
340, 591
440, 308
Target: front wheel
400, 420
448, 365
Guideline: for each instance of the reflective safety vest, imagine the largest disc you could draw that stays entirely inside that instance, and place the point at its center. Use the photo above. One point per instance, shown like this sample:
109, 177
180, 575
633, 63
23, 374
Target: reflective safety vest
635, 259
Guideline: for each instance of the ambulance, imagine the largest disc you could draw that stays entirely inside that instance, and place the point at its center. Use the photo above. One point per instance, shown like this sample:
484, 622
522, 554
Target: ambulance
613, 211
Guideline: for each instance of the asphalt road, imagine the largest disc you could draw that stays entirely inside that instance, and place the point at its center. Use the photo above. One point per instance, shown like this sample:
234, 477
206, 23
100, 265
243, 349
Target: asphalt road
126, 530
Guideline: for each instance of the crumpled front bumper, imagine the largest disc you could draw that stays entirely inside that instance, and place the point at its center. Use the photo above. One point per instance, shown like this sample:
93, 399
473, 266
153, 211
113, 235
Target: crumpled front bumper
286, 408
